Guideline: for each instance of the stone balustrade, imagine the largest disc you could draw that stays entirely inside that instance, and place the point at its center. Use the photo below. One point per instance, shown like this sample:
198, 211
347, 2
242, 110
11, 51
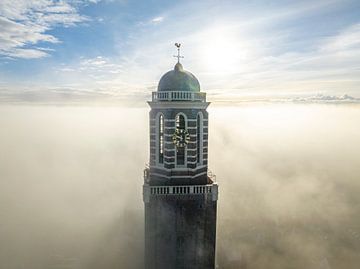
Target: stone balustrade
149, 191
178, 96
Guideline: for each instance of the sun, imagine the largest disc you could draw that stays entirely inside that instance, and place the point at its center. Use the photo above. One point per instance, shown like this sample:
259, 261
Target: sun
221, 51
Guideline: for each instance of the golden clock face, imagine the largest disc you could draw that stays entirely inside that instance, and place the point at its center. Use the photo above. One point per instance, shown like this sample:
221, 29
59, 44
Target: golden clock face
181, 138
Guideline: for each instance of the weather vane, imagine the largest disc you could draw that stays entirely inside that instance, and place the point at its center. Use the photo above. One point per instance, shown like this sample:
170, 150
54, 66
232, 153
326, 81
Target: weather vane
178, 45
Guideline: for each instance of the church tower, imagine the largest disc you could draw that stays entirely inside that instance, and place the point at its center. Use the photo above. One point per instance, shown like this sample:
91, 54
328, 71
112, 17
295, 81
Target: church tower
179, 193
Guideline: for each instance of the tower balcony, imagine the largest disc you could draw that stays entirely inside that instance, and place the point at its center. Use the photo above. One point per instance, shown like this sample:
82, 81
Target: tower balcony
183, 190
178, 96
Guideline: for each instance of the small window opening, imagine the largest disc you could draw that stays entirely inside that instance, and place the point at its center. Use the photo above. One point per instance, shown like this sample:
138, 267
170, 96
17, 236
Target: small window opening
161, 139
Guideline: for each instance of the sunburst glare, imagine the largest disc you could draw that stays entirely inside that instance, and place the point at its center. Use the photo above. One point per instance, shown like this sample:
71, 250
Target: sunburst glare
221, 51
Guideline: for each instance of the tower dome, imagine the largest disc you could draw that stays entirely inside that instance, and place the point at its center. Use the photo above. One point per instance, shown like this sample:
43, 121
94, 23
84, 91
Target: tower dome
179, 80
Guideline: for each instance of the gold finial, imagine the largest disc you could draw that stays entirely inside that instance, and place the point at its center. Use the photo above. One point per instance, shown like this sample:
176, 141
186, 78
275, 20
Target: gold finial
178, 45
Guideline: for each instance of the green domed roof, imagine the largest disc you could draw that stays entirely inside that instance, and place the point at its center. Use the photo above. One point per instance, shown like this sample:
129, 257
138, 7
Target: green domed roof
179, 80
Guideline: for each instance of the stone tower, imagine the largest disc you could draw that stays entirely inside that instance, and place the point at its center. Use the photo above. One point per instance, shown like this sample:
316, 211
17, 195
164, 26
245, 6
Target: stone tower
179, 193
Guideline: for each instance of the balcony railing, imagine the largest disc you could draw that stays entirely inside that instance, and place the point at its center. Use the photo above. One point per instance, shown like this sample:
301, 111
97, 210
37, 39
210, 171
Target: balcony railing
211, 189
179, 96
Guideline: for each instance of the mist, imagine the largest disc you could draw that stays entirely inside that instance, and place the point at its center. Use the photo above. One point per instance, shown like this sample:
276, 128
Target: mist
71, 177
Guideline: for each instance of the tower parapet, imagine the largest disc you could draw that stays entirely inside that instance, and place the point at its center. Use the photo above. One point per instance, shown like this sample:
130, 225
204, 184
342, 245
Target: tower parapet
171, 96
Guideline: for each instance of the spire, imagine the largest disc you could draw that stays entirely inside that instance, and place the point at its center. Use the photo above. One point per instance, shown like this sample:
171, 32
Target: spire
178, 45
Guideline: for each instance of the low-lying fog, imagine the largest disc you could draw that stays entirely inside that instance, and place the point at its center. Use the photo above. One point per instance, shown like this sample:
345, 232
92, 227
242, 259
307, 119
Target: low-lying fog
289, 176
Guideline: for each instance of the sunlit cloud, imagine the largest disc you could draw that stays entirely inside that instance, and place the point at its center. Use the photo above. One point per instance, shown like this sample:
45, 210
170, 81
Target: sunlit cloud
332, 99
157, 20
348, 39
100, 65
26, 23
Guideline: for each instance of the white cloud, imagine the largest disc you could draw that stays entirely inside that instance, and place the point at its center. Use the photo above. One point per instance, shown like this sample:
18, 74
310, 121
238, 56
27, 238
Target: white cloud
157, 19
100, 66
321, 98
26, 53
25, 23
349, 39
97, 72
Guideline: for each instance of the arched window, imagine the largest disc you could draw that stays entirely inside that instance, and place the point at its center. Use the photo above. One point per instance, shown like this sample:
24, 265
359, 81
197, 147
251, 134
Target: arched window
180, 151
161, 138
180, 121
199, 140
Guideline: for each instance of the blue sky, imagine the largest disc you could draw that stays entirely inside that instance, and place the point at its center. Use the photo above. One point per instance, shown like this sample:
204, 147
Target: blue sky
116, 51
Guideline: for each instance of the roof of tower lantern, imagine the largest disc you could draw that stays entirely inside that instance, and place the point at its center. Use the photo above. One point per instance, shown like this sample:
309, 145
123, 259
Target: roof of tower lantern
179, 79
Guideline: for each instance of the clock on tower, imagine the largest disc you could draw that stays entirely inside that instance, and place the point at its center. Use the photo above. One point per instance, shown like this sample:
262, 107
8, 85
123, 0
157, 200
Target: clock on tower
180, 195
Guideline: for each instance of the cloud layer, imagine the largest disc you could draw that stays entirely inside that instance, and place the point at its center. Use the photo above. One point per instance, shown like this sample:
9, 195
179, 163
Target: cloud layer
320, 98
70, 188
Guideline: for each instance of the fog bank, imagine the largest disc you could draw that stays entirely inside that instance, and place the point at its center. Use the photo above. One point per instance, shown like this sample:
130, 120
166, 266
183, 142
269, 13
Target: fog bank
70, 186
